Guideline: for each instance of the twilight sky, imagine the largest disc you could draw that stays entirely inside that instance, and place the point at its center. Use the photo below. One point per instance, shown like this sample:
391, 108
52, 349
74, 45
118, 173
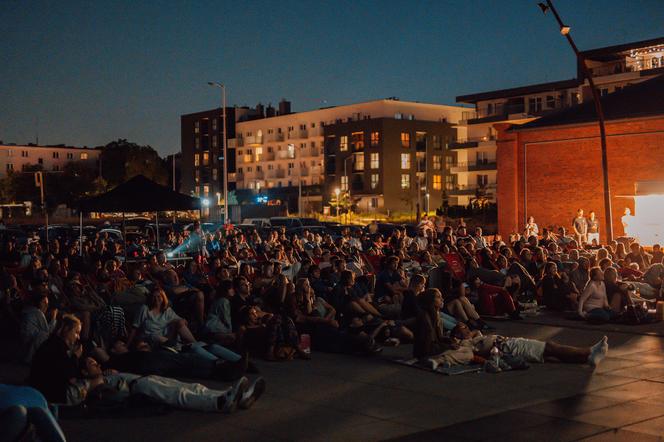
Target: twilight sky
88, 72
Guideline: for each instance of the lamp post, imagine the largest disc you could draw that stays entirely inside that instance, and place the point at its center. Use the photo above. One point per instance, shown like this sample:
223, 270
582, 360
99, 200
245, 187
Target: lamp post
565, 30
337, 191
225, 146
350, 200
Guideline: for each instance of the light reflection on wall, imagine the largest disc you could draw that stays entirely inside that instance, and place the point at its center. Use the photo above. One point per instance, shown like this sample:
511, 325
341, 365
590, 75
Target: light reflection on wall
647, 222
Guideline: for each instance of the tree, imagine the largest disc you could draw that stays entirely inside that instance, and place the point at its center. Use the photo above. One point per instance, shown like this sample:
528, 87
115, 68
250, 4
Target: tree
122, 160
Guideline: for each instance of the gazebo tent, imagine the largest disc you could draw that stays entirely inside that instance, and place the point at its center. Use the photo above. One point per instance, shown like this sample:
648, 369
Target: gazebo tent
139, 194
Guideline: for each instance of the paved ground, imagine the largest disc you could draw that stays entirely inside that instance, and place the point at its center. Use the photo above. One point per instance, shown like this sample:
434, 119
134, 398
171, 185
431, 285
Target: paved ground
336, 397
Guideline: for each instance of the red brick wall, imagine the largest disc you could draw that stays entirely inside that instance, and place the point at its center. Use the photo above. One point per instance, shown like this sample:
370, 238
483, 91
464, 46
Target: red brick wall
563, 171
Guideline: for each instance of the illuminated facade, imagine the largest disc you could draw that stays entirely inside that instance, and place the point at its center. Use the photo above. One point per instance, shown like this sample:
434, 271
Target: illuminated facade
474, 158
552, 166
16, 158
282, 153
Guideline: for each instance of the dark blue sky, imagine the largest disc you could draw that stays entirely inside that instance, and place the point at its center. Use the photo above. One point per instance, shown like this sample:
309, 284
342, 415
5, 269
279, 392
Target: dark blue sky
88, 72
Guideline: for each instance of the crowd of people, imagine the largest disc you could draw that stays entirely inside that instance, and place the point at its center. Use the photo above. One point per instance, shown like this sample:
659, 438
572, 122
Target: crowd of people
89, 323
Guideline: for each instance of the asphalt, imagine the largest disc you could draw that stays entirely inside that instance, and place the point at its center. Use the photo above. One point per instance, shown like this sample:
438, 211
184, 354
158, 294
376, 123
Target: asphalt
346, 398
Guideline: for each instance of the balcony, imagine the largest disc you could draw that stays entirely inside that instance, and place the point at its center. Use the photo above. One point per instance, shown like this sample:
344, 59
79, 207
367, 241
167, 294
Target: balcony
255, 140
304, 171
269, 156
304, 133
471, 142
468, 189
285, 154
276, 173
275, 137
472, 166
239, 142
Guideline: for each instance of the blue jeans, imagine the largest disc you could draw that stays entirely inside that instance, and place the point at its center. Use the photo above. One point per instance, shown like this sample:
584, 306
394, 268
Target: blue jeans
214, 352
449, 322
600, 315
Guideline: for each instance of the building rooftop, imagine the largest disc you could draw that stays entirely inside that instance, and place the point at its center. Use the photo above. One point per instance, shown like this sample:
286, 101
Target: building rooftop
643, 99
46, 146
518, 91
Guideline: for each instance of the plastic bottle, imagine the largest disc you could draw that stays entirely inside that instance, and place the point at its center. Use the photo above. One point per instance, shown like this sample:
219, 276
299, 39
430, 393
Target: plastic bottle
495, 355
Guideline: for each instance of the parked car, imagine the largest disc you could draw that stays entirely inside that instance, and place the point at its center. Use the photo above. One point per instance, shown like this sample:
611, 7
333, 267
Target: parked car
310, 222
284, 221
260, 223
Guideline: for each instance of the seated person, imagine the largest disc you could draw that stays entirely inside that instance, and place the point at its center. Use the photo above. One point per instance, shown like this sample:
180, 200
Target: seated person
218, 324
182, 294
463, 310
429, 343
22, 408
530, 349
495, 300
593, 302
37, 323
556, 293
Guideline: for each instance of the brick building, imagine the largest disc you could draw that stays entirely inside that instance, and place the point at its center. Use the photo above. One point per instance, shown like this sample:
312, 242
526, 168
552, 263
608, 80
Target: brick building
551, 167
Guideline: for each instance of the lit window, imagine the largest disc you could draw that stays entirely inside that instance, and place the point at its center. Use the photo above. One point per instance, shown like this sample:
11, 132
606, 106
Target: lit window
197, 127
436, 142
437, 182
375, 138
197, 160
375, 160
358, 140
374, 180
206, 190
344, 183
206, 158
405, 181
405, 139
359, 162
84, 156
437, 161
10, 153
405, 161
343, 143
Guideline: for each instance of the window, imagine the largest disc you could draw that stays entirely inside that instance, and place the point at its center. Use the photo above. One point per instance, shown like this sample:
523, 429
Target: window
405, 139
358, 164
344, 183
405, 181
375, 138
214, 174
358, 140
437, 162
40, 161
421, 140
10, 153
197, 177
437, 182
24, 153
84, 156
70, 156
374, 180
197, 160
482, 180
375, 160
535, 104
374, 203
206, 190
10, 167
343, 143
206, 158
436, 142
197, 127
56, 168
550, 101
405, 161
56, 155
239, 170
215, 141
259, 168
291, 165
313, 144
197, 143
421, 165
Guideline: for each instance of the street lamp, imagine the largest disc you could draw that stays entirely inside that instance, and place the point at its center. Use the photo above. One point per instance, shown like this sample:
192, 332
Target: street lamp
350, 200
225, 145
427, 197
337, 191
564, 30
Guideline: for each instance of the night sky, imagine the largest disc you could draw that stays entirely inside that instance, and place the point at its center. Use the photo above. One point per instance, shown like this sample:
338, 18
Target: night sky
86, 73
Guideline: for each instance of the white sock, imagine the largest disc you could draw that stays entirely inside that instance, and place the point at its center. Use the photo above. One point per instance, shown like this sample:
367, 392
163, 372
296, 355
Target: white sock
598, 352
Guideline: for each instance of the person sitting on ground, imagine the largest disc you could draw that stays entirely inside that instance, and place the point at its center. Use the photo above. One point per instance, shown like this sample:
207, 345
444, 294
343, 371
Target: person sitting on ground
430, 345
556, 294
593, 302
460, 307
37, 323
532, 350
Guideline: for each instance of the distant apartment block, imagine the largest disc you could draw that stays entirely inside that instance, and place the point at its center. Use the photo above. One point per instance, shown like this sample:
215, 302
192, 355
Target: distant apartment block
16, 158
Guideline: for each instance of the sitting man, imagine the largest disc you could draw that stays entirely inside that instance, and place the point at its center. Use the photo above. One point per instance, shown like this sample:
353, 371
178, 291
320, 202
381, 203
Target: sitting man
532, 350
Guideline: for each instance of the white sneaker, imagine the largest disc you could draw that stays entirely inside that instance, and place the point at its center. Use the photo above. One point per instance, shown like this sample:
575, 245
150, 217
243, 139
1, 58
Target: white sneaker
252, 393
432, 364
598, 352
228, 403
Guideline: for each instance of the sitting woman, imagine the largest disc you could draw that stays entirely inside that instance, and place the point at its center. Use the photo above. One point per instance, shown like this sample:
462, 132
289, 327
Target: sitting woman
84, 302
463, 310
430, 345
218, 326
556, 293
37, 323
593, 302
159, 325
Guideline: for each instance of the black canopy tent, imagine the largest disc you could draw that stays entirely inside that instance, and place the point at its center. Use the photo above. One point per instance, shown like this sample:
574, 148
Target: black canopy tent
139, 194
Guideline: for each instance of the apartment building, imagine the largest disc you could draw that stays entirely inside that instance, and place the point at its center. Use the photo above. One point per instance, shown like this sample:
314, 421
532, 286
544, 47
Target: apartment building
387, 165
202, 151
15, 158
473, 164
284, 156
